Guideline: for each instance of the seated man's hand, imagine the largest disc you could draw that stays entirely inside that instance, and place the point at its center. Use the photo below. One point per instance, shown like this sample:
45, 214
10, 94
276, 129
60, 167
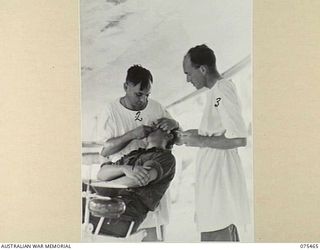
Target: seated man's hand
138, 173
166, 124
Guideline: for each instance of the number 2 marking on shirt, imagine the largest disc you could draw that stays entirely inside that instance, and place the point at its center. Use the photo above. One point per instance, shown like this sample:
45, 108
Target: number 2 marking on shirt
218, 102
137, 117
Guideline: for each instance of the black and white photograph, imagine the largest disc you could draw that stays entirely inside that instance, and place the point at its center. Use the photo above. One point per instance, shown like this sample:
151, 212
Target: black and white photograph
166, 119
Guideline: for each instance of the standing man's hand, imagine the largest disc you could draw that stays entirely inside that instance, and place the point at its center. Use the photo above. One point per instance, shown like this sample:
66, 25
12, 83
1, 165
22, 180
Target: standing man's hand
166, 124
189, 138
141, 132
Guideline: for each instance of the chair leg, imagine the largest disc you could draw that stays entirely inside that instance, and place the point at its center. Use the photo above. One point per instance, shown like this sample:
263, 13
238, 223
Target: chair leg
99, 226
87, 213
159, 232
158, 227
130, 229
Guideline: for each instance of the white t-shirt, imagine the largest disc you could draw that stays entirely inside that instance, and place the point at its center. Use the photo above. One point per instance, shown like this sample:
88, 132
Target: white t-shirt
117, 120
220, 190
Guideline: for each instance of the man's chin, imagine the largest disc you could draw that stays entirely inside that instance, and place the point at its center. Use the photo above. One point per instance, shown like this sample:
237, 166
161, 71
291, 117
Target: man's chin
196, 85
139, 106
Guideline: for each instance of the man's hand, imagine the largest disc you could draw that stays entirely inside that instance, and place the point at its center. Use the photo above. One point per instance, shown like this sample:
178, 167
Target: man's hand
139, 173
141, 131
148, 164
189, 138
166, 124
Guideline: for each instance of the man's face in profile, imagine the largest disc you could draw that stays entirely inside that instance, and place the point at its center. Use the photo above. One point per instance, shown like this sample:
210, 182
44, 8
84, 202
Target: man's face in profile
193, 75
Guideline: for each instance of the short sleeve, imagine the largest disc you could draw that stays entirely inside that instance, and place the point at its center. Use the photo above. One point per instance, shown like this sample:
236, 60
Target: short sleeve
230, 111
106, 125
165, 166
156, 166
160, 110
166, 114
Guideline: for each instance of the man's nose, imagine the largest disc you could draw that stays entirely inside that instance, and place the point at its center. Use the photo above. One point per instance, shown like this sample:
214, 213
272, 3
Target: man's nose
188, 79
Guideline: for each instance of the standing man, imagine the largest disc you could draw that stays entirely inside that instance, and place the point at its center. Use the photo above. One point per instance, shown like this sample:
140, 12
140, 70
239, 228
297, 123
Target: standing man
220, 193
131, 117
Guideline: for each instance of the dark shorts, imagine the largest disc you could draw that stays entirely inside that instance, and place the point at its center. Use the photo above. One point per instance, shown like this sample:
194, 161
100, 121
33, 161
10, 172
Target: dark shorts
229, 233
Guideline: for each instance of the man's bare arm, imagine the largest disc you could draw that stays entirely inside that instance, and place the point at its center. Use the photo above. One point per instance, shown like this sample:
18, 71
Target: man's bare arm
115, 144
129, 182
110, 172
191, 138
222, 142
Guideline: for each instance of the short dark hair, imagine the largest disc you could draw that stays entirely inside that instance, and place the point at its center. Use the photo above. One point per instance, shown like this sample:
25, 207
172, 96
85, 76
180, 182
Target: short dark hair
137, 74
172, 141
202, 55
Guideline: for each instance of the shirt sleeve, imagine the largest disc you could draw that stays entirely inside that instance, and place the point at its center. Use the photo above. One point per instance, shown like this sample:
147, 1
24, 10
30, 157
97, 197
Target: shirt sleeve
230, 111
105, 125
159, 109
164, 164
166, 114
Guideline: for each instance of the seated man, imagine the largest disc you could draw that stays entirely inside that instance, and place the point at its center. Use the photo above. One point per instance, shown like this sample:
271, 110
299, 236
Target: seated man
146, 175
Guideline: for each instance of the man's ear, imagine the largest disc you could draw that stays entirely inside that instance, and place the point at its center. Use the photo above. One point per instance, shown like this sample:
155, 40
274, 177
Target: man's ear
170, 136
203, 69
125, 86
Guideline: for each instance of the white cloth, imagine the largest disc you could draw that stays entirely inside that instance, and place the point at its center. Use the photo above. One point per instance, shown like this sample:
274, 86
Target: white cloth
221, 195
117, 120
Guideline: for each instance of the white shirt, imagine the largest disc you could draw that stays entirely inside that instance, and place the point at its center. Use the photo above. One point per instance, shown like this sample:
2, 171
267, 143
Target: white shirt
116, 120
220, 190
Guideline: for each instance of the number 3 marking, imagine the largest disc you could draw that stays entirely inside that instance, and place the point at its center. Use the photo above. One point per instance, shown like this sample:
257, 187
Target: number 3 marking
218, 102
